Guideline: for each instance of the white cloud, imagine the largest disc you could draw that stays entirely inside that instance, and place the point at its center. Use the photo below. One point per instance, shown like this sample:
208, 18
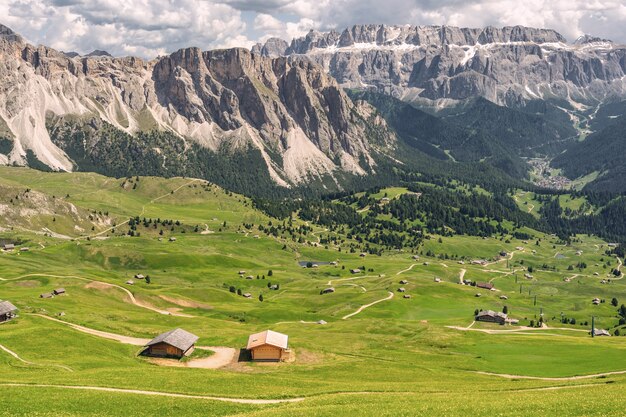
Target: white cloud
151, 27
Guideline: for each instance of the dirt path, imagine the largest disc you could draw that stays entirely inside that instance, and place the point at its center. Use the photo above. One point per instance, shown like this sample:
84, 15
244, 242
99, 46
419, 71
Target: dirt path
16, 356
509, 257
565, 378
363, 307
158, 393
130, 295
462, 275
407, 270
143, 210
221, 357
518, 330
135, 341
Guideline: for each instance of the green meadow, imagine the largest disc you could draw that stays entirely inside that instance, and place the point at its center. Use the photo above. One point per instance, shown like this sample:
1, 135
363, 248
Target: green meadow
398, 357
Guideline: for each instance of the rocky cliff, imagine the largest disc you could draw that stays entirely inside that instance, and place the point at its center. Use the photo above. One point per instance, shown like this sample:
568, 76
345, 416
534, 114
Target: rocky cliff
225, 101
439, 64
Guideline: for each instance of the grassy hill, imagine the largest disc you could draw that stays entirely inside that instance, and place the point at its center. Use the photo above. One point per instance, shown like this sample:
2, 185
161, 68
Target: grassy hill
417, 356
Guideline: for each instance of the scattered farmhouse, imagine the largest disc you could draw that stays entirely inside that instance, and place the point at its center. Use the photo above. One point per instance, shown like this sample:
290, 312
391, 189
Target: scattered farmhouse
363, 254
274, 287
355, 271
485, 285
601, 332
406, 296
596, 301
328, 290
46, 295
24, 249
404, 282
139, 276
268, 346
490, 316
247, 295
130, 282
8, 247
437, 279
7, 311
59, 291
401, 289
322, 322
172, 239
173, 344
504, 297
242, 272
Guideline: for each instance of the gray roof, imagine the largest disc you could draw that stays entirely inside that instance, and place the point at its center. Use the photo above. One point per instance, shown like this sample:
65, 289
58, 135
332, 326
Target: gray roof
7, 307
491, 313
178, 338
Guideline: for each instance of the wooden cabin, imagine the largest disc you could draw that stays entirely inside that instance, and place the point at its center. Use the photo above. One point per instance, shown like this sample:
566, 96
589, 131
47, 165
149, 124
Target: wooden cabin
8, 247
173, 344
485, 285
7, 311
46, 295
59, 291
328, 290
491, 317
268, 346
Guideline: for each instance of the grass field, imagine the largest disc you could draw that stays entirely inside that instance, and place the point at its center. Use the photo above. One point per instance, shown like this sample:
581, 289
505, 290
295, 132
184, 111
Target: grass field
417, 356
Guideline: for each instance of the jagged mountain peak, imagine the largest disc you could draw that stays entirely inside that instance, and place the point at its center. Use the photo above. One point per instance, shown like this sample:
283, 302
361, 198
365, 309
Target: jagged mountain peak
99, 53
587, 39
288, 112
439, 65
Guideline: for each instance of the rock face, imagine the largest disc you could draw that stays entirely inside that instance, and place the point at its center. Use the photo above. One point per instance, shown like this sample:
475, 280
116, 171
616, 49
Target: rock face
438, 64
291, 111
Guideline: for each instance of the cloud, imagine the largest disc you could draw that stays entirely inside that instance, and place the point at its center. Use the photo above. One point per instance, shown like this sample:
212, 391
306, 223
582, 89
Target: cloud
124, 27
151, 27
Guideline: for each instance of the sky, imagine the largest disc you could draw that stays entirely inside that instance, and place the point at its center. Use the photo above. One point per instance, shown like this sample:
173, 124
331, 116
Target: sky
148, 28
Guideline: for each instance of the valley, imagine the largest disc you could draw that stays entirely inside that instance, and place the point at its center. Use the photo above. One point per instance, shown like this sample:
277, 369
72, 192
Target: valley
377, 351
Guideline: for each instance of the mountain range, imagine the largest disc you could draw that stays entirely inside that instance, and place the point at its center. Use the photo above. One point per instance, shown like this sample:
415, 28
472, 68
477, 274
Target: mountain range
441, 64
367, 105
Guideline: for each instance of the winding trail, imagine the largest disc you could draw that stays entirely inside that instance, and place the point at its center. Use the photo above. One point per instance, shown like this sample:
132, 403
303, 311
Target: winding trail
16, 356
461, 275
540, 378
407, 270
135, 341
130, 295
518, 330
221, 357
363, 307
143, 210
158, 393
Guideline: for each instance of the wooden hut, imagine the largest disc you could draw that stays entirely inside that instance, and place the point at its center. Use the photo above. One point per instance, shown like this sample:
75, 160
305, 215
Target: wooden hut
59, 291
491, 317
268, 346
7, 311
46, 295
173, 344
485, 285
328, 290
